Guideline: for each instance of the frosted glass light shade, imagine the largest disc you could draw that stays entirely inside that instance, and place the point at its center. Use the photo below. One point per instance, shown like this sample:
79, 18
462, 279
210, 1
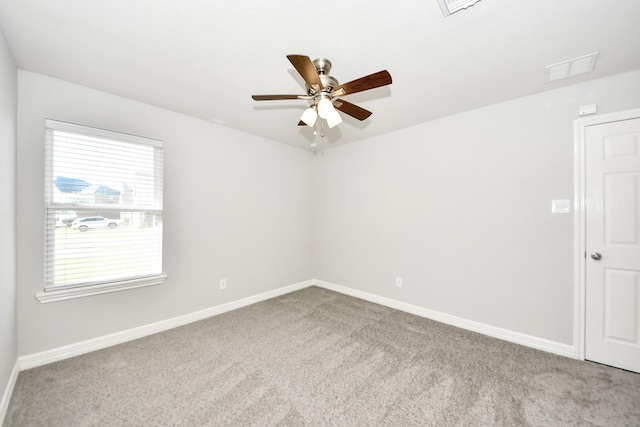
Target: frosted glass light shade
334, 119
325, 107
309, 116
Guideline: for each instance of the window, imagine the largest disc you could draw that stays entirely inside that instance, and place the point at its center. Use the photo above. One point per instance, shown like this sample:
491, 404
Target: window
103, 210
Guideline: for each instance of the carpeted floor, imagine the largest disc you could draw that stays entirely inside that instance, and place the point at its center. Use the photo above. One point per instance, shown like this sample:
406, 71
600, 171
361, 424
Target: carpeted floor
315, 357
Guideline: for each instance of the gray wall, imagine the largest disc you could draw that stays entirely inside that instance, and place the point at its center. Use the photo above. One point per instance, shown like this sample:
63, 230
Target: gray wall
460, 209
8, 106
236, 206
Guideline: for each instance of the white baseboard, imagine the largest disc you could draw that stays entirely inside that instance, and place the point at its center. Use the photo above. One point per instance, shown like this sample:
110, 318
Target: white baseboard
492, 331
65, 352
8, 391
61, 353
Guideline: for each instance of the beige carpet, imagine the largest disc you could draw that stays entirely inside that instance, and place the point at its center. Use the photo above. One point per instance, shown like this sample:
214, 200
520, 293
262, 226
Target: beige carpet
315, 357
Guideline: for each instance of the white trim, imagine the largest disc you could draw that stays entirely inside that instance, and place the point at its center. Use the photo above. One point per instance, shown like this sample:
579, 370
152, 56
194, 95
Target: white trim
8, 391
61, 353
72, 350
100, 133
492, 331
579, 240
84, 291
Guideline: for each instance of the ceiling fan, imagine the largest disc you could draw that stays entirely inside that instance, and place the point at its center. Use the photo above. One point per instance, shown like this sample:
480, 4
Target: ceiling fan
325, 92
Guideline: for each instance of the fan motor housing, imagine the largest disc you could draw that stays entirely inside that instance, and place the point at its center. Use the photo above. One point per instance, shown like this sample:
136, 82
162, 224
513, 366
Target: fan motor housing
323, 66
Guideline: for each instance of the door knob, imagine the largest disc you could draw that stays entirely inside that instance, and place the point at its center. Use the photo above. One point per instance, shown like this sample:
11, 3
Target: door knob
597, 256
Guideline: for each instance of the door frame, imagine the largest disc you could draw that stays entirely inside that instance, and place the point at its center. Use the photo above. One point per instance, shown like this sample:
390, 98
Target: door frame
580, 223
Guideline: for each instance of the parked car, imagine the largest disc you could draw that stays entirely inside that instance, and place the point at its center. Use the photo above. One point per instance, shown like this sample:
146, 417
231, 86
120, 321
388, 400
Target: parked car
83, 224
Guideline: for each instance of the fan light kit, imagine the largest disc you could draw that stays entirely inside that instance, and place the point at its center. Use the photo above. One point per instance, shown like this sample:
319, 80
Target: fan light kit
324, 91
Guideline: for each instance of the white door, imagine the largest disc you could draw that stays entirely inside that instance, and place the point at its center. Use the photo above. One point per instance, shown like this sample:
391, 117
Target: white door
613, 244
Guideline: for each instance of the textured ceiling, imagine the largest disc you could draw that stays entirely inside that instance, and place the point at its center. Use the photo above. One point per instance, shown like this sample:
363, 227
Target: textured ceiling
206, 58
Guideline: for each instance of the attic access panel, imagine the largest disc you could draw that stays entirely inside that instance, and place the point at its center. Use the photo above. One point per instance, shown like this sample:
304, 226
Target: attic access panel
450, 6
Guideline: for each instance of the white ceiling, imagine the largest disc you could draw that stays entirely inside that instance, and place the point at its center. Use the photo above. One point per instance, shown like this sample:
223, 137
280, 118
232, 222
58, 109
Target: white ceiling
206, 58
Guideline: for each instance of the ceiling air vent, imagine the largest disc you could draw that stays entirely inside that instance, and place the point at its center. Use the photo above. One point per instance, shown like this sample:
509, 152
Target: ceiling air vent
570, 68
450, 6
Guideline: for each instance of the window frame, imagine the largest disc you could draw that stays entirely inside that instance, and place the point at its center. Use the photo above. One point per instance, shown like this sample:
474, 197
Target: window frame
50, 293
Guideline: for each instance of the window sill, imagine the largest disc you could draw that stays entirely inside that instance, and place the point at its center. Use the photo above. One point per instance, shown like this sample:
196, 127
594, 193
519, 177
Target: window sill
85, 291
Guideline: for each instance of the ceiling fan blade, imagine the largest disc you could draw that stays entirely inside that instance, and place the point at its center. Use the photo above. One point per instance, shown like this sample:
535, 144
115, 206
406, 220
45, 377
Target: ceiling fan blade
274, 97
307, 70
351, 109
301, 123
381, 78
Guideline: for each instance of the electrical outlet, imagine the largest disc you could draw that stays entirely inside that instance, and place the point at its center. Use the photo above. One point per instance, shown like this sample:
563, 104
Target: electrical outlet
223, 283
399, 282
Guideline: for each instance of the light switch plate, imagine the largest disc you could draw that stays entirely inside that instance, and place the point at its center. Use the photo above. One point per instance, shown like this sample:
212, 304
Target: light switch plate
560, 206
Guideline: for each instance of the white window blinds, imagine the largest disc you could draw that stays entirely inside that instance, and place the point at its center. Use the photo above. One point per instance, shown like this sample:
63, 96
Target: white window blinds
103, 202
